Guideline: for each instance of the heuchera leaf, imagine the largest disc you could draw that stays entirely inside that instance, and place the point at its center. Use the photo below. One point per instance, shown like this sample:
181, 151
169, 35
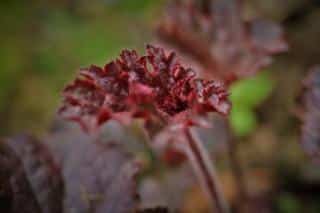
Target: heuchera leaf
30, 176
153, 87
310, 138
219, 39
15, 189
69, 173
99, 177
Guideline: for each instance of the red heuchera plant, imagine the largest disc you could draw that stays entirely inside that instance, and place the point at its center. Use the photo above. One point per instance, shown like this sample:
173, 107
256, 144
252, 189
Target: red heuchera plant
310, 138
155, 87
215, 36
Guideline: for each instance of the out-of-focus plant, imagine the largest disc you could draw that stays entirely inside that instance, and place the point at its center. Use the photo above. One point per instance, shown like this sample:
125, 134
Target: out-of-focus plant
157, 89
213, 36
310, 138
217, 38
245, 96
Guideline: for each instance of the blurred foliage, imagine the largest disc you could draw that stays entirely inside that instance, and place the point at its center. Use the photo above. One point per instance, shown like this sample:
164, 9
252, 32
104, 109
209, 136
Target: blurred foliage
288, 204
246, 95
44, 43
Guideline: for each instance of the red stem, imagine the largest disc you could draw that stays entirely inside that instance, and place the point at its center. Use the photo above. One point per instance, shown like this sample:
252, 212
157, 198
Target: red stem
204, 169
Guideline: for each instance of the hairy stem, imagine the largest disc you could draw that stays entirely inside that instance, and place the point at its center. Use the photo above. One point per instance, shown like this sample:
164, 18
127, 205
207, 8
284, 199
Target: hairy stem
204, 169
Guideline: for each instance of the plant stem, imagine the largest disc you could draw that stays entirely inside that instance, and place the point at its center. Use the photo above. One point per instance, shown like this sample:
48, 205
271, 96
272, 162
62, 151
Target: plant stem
204, 169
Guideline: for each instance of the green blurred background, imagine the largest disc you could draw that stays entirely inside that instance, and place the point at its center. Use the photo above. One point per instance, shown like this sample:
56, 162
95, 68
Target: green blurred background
43, 43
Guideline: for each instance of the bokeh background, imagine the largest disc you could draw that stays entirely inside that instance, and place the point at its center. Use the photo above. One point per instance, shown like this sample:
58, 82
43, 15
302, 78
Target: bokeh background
44, 43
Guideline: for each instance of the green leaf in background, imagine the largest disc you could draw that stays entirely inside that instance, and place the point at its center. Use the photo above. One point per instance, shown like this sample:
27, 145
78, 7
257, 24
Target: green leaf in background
245, 96
252, 91
243, 121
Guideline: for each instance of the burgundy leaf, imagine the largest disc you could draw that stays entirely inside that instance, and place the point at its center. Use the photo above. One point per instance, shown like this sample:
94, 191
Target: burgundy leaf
155, 87
32, 177
310, 138
15, 190
99, 177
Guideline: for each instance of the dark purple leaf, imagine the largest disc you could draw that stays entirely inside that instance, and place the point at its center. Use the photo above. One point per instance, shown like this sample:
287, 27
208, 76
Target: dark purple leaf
99, 177
31, 177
